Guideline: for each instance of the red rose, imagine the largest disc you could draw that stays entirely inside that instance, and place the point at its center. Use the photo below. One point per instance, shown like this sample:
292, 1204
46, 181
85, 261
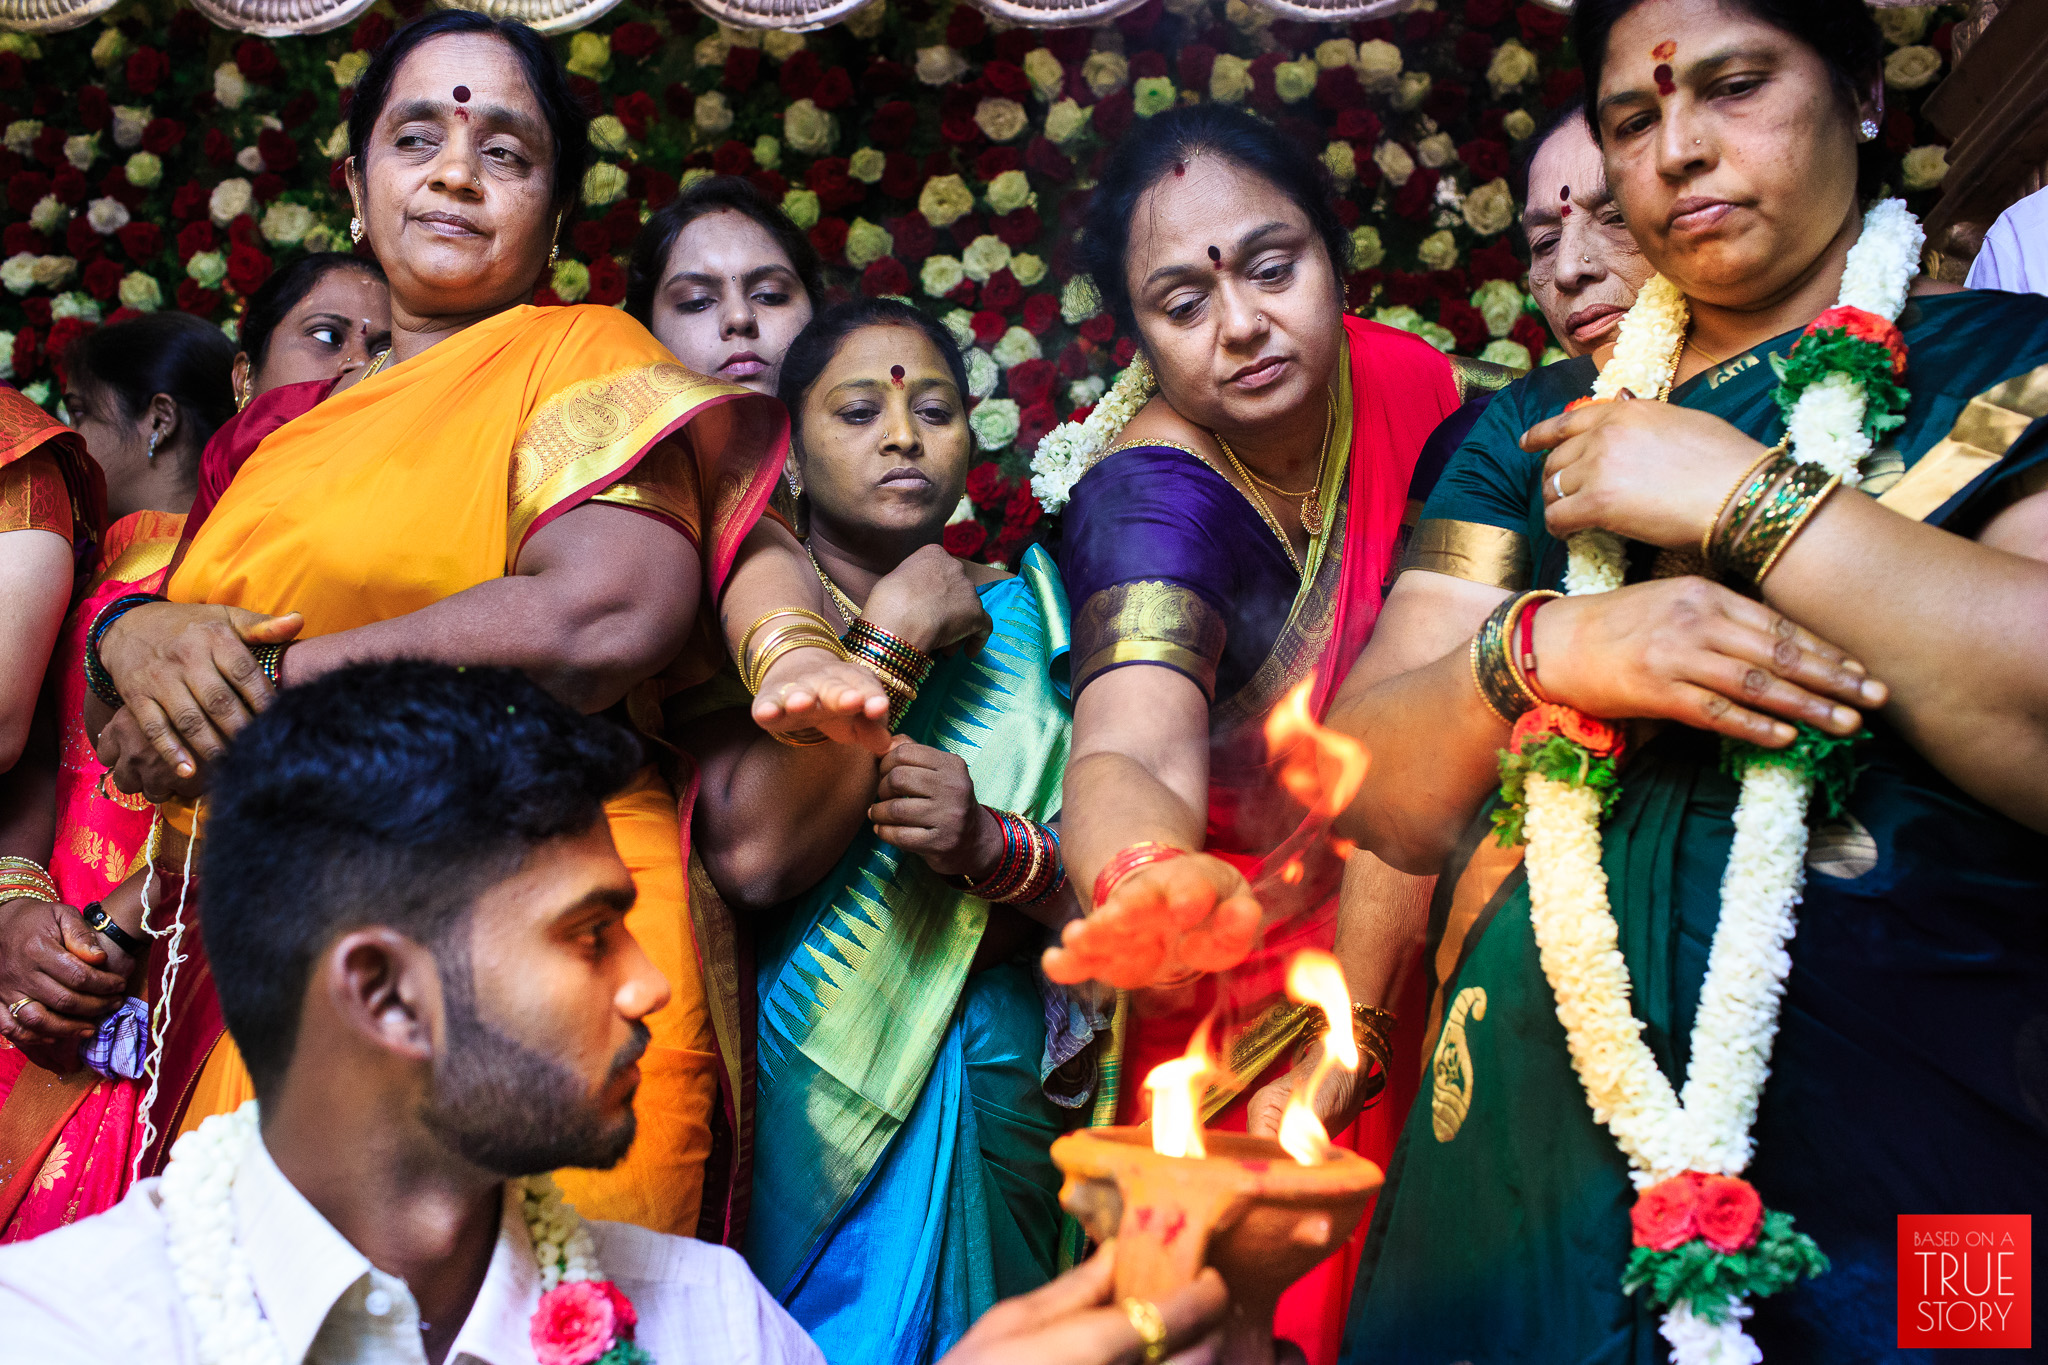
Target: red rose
1031, 381
1148, 66
985, 485
1045, 157
833, 90
732, 158
829, 181
1113, 114
1359, 125
636, 110
1533, 335
1010, 544
770, 183
1413, 199
80, 240
589, 239
913, 236
194, 238
1006, 79
962, 539
1264, 96
995, 161
28, 356
1137, 24
800, 74
103, 279
280, 153
248, 268
1002, 292
892, 125
1032, 424
1099, 329
1015, 45
120, 315
370, 34
37, 311
1041, 311
742, 67
1485, 158
1864, 326
1023, 508
114, 185
622, 224
1338, 88
196, 301
886, 276
1126, 347
960, 129
257, 60
607, 281
1563, 87
989, 326
1485, 13
1495, 261
1541, 28
242, 231
624, 1316
965, 27
94, 110
1467, 324
884, 77
25, 189
20, 237
216, 146
660, 186
11, 72
545, 297
1730, 1213
1420, 28
1663, 1216
1447, 101
574, 1325
1073, 356
963, 293
635, 39
829, 237
146, 69
1196, 62
1019, 229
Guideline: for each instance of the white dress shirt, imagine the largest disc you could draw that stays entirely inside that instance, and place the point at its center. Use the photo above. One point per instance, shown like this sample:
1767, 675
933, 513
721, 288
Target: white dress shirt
2015, 254
101, 1290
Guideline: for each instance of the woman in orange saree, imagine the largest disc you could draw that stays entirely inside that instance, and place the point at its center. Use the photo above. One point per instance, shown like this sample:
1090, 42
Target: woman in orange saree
540, 488
1207, 591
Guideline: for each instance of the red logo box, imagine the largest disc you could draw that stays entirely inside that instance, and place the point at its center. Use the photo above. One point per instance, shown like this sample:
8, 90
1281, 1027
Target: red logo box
1966, 1280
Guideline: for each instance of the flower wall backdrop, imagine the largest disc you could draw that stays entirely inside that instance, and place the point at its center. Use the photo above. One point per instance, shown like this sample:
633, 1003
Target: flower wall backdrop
154, 161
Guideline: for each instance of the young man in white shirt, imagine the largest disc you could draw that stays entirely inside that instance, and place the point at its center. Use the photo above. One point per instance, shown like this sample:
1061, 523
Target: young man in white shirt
414, 913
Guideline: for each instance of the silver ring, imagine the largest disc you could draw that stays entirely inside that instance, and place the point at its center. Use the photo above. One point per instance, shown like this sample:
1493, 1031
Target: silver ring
1556, 483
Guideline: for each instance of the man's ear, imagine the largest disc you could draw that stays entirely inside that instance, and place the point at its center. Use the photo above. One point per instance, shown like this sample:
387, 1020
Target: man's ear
384, 989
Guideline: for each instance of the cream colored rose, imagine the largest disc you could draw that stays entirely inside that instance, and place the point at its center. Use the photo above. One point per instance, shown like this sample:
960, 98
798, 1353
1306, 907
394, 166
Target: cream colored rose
982, 373
1064, 121
1342, 161
608, 133
141, 292
48, 215
1333, 53
960, 323
1153, 95
1230, 79
21, 45
985, 255
107, 49
1513, 66
711, 51
941, 275
1045, 73
129, 121
739, 37
348, 68
1247, 18
1402, 317
1411, 90
711, 113
1924, 168
335, 145
589, 53
867, 165
994, 423
106, 216
1439, 250
604, 183
286, 224
1079, 300
1394, 162
1014, 347
940, 65
1000, 119
1379, 64
1028, 269
250, 159
1366, 251
1518, 124
779, 44
809, 129
801, 207
1904, 24
230, 200
865, 22
1294, 82
1010, 191
1490, 208
145, 169
1436, 151
75, 304
1105, 72
1512, 354
570, 281
1438, 335
1911, 67
22, 135
229, 89
206, 268
867, 243
1501, 304
81, 151
18, 273
768, 151
944, 199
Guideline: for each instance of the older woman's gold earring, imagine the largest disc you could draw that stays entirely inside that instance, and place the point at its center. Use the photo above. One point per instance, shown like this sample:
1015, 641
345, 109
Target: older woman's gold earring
555, 245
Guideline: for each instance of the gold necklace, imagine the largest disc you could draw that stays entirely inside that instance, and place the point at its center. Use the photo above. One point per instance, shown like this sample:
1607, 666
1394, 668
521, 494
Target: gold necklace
840, 600
1313, 520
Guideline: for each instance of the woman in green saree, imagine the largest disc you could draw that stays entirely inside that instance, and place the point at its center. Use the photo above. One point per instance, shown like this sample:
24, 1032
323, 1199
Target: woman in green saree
903, 1062
1907, 1073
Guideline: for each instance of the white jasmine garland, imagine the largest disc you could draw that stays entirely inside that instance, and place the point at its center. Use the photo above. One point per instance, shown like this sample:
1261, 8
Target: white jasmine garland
1071, 449
1695, 1341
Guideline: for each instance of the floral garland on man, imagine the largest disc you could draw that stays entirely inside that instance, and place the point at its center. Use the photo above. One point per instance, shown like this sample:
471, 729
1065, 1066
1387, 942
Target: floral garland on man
1704, 1243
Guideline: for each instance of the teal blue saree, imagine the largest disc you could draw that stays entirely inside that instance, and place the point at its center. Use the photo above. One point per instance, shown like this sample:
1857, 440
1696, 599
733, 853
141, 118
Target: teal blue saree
1910, 1073
901, 1177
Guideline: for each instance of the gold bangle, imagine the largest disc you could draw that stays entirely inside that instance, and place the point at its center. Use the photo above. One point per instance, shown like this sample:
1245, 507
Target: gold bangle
1150, 1325
1730, 532
741, 652
1789, 504
1798, 524
1714, 522
777, 641
1495, 672
787, 644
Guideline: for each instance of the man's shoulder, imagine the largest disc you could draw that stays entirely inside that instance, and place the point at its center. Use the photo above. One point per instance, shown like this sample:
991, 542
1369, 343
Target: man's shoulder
628, 1250
699, 1303
102, 1284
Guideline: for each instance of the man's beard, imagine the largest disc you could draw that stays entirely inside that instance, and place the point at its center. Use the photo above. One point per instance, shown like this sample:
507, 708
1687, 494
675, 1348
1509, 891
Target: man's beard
502, 1106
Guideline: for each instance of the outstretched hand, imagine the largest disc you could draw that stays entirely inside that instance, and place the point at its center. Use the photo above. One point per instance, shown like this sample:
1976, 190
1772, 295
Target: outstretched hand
813, 689
1074, 1321
1162, 923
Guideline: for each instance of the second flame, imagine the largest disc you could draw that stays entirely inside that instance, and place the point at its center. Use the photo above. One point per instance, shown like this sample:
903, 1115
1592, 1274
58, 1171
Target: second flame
1177, 1088
1316, 978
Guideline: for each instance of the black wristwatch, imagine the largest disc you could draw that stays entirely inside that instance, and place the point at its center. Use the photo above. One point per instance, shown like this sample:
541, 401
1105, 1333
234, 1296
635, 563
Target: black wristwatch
100, 922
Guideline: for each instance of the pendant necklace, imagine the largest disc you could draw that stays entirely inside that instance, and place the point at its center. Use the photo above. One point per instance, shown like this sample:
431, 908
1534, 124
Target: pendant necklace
1313, 518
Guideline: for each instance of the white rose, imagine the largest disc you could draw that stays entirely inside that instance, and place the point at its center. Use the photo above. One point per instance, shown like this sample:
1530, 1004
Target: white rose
1016, 346
711, 113
107, 216
22, 135
1394, 162
779, 44
144, 170
960, 323
1342, 161
982, 373
695, 174
802, 208
1079, 300
1230, 79
50, 272
1410, 90
82, 150
1439, 251
286, 224
1000, 119
608, 133
1911, 67
75, 305
6, 355
207, 268
1105, 72
1333, 53
865, 22
944, 200
129, 121
1027, 268
710, 51
809, 129
1438, 335
348, 68
1501, 304
1436, 151
570, 281
1379, 64
230, 200
1245, 17
867, 243
48, 214
18, 273
1010, 191
228, 86
940, 65
109, 48
1512, 354
1903, 25
1518, 124
985, 255
867, 165
1082, 392
994, 423
1044, 72
1490, 208
1512, 67
767, 151
1924, 168
589, 53
604, 183
335, 146
1066, 119
249, 159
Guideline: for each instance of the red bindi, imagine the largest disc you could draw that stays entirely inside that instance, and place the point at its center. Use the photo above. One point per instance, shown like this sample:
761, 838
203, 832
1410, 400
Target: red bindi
1664, 51
1564, 197
1662, 75
896, 375
1180, 168
462, 94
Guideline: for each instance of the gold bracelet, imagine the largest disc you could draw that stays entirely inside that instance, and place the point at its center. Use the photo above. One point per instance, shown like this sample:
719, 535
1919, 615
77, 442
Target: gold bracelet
1790, 503
1494, 670
1729, 533
1798, 524
741, 652
1714, 522
786, 644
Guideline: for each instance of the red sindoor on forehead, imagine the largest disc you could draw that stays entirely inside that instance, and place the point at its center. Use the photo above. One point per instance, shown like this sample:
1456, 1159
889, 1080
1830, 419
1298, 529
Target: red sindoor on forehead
1662, 75
1664, 51
462, 94
896, 375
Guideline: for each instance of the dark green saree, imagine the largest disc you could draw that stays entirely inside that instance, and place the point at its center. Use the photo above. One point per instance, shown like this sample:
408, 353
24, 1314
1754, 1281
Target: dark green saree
1910, 1073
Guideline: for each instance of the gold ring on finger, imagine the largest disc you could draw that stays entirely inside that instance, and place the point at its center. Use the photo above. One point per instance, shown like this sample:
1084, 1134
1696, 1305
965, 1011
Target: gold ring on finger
1150, 1326
14, 1009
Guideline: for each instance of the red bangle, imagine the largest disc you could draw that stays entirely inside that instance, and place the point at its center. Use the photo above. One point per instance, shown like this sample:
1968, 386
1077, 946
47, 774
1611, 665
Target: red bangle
1129, 860
1525, 644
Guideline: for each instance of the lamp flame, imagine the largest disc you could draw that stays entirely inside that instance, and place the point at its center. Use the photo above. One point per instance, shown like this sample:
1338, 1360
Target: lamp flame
1322, 769
1177, 1088
1315, 978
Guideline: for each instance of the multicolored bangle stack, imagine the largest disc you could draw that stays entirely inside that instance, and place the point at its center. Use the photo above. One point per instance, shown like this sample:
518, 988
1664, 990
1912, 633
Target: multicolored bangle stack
807, 631
1504, 656
901, 666
25, 877
1128, 860
1030, 871
270, 658
1769, 505
97, 678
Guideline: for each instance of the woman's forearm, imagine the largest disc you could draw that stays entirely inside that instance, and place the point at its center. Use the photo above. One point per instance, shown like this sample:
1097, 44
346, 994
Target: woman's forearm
1953, 628
35, 588
1113, 801
760, 846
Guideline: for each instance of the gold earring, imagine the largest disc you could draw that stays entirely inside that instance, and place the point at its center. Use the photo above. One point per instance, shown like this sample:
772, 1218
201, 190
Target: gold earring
355, 229
555, 244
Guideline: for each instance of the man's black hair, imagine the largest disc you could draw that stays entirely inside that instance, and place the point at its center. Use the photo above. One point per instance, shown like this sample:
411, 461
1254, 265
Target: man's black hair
385, 793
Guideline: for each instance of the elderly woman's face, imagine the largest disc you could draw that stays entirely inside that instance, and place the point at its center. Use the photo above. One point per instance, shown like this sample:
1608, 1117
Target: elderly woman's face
1584, 267
730, 302
458, 181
